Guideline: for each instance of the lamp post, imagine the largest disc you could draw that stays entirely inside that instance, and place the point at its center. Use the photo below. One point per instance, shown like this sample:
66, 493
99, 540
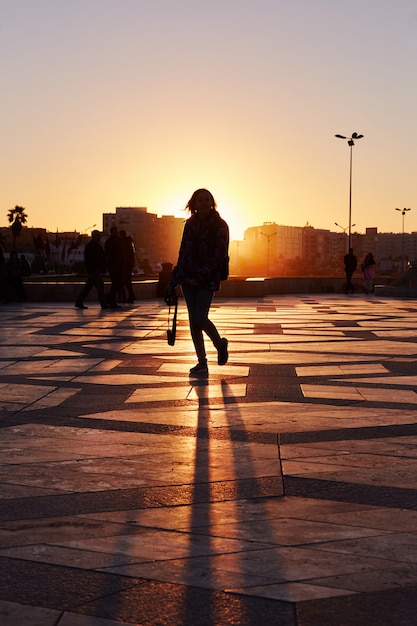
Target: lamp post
351, 143
344, 229
268, 238
403, 212
88, 228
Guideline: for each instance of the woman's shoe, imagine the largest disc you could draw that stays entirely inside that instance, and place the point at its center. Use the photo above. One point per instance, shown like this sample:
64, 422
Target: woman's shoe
200, 368
222, 353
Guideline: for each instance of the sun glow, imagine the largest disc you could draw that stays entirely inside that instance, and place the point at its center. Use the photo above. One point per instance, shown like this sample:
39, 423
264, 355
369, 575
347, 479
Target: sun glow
173, 202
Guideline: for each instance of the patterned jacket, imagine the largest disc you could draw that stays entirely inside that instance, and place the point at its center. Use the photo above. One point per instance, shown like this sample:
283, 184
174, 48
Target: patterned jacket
203, 254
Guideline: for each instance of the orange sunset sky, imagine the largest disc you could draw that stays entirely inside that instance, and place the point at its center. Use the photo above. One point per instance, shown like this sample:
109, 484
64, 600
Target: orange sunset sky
111, 103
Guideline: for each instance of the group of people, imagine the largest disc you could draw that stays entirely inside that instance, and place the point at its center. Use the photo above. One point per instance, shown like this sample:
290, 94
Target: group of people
118, 258
368, 269
202, 265
12, 273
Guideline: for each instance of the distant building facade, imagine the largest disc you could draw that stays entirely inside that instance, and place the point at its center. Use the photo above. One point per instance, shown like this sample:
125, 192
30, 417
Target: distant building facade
270, 249
156, 239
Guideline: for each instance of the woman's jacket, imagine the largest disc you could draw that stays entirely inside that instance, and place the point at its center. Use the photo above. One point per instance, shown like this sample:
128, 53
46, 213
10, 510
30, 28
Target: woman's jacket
203, 256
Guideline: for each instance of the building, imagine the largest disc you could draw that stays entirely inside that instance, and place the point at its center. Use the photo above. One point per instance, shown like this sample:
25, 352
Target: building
156, 239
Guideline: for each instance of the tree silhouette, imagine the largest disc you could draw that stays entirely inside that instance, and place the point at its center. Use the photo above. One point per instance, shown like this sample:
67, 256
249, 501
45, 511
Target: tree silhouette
16, 217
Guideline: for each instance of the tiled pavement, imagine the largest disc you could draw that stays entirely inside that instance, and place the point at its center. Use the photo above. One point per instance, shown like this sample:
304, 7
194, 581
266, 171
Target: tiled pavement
280, 490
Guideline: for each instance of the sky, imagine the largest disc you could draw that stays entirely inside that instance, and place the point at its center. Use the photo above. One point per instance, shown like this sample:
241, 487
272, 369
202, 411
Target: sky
109, 103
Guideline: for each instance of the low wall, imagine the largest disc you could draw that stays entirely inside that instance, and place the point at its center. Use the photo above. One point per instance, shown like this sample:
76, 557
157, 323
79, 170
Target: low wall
67, 291
41, 290
258, 287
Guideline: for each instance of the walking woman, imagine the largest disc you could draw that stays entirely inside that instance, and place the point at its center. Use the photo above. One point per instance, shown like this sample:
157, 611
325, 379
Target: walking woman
368, 269
202, 265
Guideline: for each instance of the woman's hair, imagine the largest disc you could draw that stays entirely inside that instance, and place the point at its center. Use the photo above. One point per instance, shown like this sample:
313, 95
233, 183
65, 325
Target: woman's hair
191, 202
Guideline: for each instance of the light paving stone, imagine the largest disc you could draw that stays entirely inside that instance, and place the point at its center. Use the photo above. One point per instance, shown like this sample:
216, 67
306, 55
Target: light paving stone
359, 393
342, 370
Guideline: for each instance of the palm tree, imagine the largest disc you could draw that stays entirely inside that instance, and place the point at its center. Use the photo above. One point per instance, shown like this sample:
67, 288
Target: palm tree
16, 217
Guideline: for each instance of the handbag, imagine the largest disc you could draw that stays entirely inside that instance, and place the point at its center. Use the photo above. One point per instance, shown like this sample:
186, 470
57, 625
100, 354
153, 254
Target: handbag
172, 332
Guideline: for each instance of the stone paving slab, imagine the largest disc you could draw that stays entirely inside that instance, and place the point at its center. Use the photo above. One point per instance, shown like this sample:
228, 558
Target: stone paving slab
279, 490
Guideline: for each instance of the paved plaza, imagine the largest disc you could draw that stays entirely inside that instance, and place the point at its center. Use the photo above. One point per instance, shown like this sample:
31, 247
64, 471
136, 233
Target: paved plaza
280, 490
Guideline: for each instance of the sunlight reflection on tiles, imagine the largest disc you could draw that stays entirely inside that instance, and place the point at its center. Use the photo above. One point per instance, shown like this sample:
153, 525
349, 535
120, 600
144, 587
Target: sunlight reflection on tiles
358, 346
276, 358
227, 370
387, 395
359, 393
386, 380
293, 338
335, 370
395, 333
128, 379
160, 394
385, 324
217, 391
150, 415
320, 333
323, 391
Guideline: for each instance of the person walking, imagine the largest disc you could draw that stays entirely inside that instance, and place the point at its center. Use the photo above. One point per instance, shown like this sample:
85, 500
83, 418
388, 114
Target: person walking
368, 269
351, 263
4, 292
15, 276
95, 266
202, 265
26, 268
128, 262
113, 250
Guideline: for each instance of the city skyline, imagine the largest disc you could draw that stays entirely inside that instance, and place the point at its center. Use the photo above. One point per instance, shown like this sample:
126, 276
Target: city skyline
108, 103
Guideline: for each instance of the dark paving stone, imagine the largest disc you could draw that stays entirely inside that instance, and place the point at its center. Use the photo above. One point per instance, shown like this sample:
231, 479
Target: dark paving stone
56, 587
392, 607
350, 434
163, 604
393, 497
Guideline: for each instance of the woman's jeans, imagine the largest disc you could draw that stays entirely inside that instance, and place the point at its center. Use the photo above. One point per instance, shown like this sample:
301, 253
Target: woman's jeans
198, 304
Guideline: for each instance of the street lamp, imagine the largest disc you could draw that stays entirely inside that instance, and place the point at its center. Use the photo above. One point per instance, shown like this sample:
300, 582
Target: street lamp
88, 228
403, 212
268, 238
351, 143
344, 229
